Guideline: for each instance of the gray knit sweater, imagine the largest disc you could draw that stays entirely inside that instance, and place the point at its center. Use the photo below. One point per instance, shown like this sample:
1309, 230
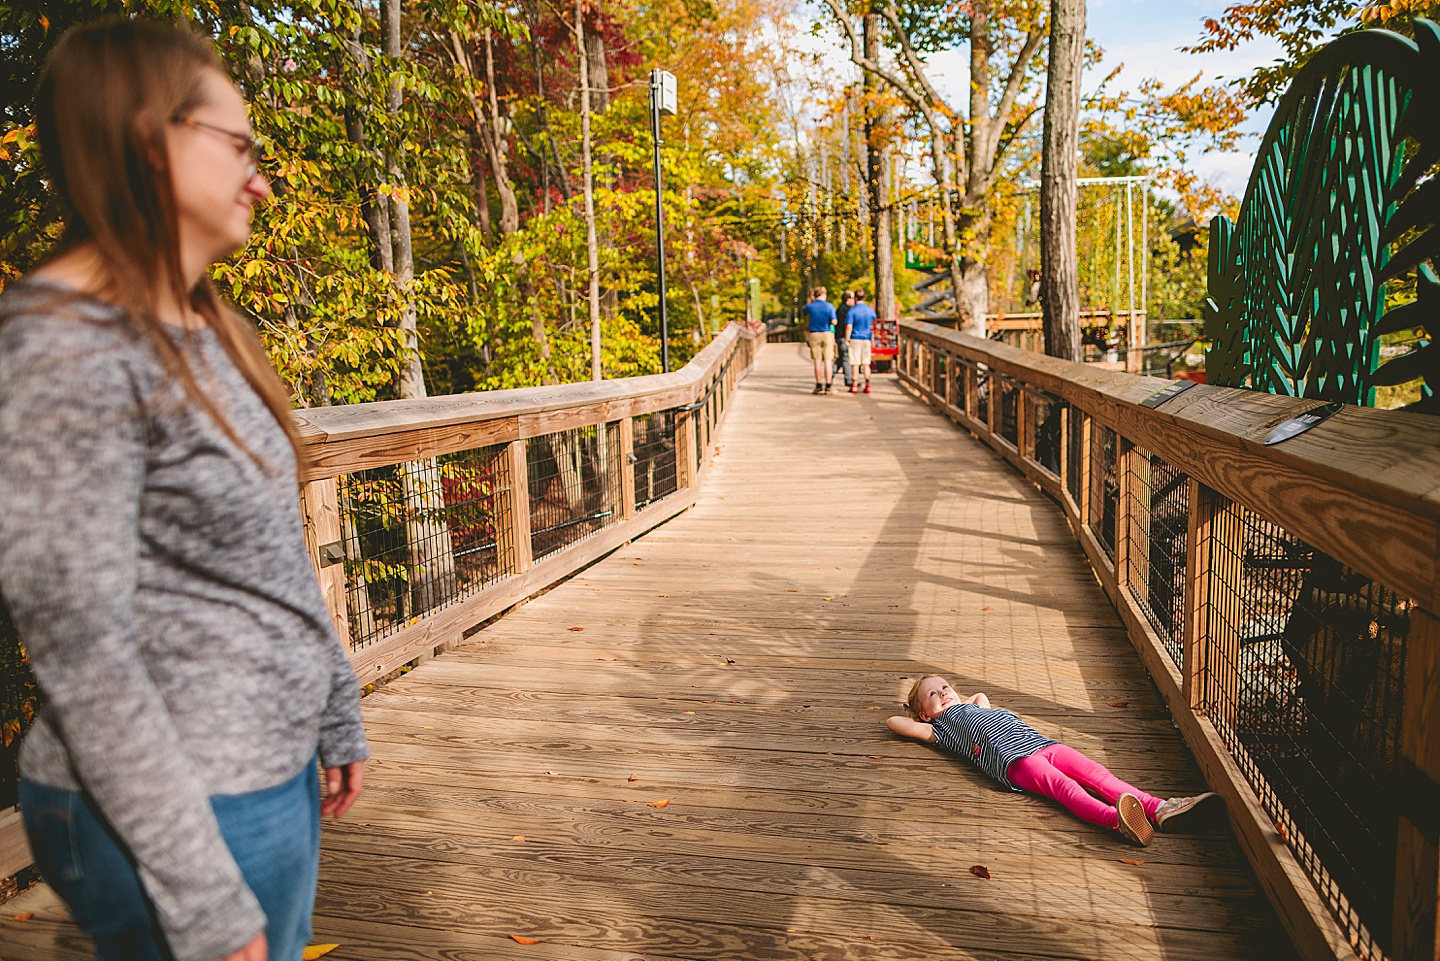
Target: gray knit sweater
159, 579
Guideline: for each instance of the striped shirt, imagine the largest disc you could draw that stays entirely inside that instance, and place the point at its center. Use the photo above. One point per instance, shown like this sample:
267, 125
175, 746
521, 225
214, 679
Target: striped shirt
987, 736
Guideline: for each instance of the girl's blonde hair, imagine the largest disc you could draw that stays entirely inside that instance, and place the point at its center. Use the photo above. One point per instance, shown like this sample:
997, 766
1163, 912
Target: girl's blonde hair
105, 97
912, 700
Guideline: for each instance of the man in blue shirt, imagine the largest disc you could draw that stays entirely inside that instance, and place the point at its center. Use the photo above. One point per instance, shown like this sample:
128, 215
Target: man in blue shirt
842, 359
821, 338
860, 332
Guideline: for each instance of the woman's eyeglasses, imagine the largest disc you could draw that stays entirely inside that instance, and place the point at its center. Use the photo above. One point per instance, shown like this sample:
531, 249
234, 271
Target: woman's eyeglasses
252, 146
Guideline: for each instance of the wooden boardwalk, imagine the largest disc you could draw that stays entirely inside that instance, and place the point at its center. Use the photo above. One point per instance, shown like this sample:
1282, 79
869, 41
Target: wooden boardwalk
680, 753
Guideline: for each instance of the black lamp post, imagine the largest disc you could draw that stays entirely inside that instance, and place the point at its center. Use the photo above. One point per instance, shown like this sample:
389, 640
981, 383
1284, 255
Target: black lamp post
662, 101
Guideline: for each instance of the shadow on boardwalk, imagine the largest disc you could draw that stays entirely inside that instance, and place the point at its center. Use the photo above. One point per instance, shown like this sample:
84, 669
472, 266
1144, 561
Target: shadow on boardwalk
738, 663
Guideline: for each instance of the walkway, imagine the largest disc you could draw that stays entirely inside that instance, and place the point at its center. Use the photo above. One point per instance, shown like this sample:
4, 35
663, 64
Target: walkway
680, 753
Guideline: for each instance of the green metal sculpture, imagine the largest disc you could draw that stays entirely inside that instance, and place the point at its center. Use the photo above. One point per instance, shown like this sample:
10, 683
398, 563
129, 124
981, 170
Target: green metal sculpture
1297, 286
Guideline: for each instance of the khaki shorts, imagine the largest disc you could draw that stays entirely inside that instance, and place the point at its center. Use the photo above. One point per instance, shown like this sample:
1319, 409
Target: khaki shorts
859, 352
822, 345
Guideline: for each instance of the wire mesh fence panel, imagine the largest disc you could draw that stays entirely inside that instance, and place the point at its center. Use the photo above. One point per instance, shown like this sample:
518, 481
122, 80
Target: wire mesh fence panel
19, 700
1009, 410
1104, 486
1042, 425
1304, 670
654, 452
962, 399
419, 536
1157, 528
574, 478
1076, 459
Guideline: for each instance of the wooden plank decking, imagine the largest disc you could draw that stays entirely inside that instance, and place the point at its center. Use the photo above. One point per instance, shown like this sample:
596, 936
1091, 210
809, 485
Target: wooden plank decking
739, 662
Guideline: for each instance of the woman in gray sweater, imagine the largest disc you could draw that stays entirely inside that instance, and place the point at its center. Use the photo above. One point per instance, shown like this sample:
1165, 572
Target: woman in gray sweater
151, 547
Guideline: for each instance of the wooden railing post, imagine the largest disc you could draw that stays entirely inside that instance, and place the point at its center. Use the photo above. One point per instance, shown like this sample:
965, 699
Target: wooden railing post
1087, 466
992, 403
1124, 511
513, 535
1195, 639
627, 467
684, 449
972, 389
1414, 932
320, 504
1064, 458
952, 362
1023, 443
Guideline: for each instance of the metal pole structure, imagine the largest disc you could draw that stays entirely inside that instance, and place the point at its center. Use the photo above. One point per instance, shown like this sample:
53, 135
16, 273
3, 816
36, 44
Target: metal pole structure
1145, 255
1137, 336
660, 98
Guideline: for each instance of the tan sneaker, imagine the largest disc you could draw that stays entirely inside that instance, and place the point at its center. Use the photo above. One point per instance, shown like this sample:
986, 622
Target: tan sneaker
1132, 822
1176, 807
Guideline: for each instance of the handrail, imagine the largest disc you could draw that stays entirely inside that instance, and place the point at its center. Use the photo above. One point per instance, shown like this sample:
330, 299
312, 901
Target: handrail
1283, 598
533, 468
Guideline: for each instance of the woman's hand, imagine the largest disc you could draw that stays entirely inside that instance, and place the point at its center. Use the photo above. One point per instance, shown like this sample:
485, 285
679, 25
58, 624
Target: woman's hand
342, 786
256, 950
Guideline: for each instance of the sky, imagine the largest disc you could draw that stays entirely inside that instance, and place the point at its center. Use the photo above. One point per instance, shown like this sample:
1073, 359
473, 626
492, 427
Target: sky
1145, 36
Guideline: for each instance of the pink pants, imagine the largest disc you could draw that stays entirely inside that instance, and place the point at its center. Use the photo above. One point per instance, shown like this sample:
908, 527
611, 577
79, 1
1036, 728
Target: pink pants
1064, 774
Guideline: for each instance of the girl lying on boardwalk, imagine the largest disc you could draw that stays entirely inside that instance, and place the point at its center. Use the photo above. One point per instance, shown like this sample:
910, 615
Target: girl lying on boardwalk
1010, 751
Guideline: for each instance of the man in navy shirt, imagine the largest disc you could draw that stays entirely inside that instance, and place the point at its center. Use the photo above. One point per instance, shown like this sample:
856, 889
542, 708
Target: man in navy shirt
821, 338
860, 332
842, 359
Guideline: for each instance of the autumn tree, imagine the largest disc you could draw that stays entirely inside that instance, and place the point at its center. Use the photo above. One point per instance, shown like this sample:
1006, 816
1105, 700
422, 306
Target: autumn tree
966, 147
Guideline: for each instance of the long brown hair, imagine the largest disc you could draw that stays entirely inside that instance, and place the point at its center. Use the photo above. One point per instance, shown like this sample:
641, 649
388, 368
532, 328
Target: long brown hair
105, 97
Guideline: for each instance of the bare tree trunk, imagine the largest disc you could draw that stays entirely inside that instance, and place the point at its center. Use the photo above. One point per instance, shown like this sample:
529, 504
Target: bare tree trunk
1059, 186
373, 205
877, 158
431, 557
592, 251
596, 71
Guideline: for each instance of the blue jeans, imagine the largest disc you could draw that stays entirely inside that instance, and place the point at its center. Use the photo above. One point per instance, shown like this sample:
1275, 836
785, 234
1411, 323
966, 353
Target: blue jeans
274, 836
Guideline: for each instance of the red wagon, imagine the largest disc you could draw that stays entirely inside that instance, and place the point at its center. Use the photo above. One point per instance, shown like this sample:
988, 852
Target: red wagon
886, 344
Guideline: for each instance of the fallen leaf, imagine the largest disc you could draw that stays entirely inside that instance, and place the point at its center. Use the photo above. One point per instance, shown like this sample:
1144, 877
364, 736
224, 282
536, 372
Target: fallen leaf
1118, 703
877, 757
827, 598
518, 837
1283, 831
729, 660
791, 590
664, 595
1131, 861
602, 658
551, 773
429, 727
874, 707
691, 713
317, 951
659, 804
575, 628
980, 871
987, 608
519, 940
633, 777
25, 917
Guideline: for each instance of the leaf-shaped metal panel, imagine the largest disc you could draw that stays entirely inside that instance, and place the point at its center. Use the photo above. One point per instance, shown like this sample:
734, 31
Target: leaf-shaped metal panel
1297, 283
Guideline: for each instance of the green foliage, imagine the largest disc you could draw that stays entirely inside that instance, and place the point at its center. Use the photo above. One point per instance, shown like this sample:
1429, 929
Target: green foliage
492, 311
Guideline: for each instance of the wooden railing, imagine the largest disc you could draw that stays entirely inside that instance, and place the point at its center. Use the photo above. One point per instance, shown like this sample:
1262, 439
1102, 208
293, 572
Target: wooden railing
1282, 597
425, 518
